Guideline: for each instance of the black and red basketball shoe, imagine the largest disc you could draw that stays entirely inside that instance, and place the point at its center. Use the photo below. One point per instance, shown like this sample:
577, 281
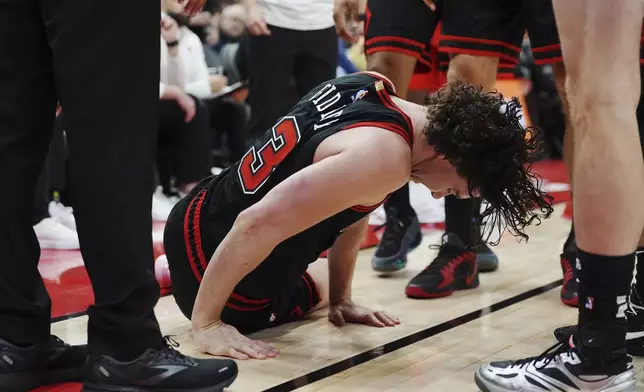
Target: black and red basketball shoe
455, 268
570, 286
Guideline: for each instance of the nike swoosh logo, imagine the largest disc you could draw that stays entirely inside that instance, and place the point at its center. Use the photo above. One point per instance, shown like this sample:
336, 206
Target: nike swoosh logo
170, 370
634, 335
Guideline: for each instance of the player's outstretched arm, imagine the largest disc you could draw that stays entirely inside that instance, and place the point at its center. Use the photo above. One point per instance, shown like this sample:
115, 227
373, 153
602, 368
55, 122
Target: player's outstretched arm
342, 260
351, 177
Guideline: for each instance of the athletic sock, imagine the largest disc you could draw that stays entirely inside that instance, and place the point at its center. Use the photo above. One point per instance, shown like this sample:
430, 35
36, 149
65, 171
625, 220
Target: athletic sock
399, 201
458, 218
604, 283
570, 241
639, 274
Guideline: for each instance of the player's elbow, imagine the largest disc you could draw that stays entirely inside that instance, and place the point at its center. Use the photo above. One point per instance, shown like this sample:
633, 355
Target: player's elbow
259, 227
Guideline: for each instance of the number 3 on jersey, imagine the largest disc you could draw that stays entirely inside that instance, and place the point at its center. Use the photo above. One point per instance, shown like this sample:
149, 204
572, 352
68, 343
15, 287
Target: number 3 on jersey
256, 166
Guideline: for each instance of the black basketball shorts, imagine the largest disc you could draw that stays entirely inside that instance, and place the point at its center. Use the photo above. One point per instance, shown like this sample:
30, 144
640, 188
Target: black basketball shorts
497, 28
400, 26
188, 256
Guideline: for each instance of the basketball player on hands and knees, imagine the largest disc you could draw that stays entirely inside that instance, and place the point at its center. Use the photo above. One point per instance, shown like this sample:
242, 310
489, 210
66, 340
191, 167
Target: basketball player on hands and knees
243, 246
600, 43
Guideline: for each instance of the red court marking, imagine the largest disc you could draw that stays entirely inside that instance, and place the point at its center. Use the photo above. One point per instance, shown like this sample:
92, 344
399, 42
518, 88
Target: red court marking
69, 387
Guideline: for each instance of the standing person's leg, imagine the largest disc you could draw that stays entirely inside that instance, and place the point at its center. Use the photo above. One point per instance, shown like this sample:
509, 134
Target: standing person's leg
193, 158
600, 43
229, 118
271, 68
477, 34
112, 134
635, 312
41, 195
27, 105
316, 60
396, 40
544, 41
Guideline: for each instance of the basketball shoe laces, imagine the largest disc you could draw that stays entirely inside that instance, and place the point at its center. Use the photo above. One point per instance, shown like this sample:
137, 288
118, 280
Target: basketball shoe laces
446, 255
543, 360
632, 310
170, 353
394, 230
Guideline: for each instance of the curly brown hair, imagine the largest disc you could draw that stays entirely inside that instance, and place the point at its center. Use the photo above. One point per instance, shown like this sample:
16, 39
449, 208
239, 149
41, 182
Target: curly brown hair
482, 136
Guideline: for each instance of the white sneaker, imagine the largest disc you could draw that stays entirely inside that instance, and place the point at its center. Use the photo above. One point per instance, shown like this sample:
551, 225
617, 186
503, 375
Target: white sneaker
64, 214
161, 206
557, 370
54, 235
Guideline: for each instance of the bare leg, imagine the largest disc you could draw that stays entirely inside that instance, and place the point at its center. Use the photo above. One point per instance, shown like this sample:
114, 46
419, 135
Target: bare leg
461, 215
478, 70
607, 148
397, 67
559, 70
600, 44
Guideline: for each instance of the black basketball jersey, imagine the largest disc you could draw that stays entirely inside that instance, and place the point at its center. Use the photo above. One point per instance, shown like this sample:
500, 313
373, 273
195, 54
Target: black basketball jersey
361, 99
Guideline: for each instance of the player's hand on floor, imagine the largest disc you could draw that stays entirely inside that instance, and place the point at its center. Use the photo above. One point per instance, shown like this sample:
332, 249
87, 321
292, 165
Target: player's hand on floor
346, 311
225, 340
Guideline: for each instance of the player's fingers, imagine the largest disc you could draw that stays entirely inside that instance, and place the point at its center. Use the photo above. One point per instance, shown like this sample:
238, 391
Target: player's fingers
248, 349
232, 353
267, 352
267, 346
386, 319
371, 319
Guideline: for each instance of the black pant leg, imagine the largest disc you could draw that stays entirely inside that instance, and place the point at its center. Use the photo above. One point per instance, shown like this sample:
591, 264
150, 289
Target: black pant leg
186, 146
317, 58
58, 158
107, 71
230, 118
27, 108
41, 195
271, 68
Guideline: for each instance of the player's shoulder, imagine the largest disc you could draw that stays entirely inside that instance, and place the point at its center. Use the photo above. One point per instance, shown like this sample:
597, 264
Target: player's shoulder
383, 149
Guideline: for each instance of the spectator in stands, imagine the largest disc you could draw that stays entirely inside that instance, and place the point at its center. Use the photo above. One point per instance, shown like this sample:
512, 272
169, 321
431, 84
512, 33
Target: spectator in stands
291, 39
226, 115
184, 128
201, 23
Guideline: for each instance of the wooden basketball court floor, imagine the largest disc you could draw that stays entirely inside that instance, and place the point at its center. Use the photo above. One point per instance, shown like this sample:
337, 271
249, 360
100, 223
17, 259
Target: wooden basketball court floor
440, 342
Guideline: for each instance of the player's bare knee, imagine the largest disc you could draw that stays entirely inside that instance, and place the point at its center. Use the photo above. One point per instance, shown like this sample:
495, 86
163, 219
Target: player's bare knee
478, 70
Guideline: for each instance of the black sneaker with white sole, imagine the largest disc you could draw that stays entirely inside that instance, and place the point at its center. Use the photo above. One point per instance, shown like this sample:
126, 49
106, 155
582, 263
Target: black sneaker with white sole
26, 368
401, 236
159, 370
559, 369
